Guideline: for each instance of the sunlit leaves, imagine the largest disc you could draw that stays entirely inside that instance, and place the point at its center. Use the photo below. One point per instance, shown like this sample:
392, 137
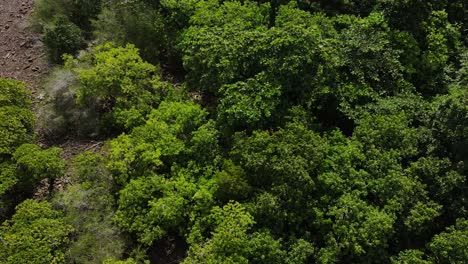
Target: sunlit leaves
35, 234
119, 84
16, 119
36, 163
152, 206
450, 246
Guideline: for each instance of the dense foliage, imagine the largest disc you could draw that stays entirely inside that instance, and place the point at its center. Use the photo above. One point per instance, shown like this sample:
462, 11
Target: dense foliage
35, 234
22, 164
246, 132
61, 37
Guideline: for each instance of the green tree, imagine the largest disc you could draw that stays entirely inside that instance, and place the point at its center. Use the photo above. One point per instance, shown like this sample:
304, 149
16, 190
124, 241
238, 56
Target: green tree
224, 31
79, 12
410, 256
230, 240
133, 22
158, 166
152, 26
35, 234
248, 104
327, 65
14, 93
442, 43
154, 146
16, 125
16, 128
358, 228
281, 167
16, 119
451, 246
127, 261
388, 132
119, 84
151, 207
450, 124
62, 36
232, 183
34, 164
7, 177
445, 184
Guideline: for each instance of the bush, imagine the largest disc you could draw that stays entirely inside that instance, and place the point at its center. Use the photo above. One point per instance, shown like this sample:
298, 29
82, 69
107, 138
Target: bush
89, 208
14, 93
16, 128
119, 85
62, 36
33, 162
80, 12
152, 26
133, 23
35, 234
16, 120
58, 114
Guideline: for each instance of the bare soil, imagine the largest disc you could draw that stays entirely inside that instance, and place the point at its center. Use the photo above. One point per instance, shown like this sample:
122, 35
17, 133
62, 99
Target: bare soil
22, 53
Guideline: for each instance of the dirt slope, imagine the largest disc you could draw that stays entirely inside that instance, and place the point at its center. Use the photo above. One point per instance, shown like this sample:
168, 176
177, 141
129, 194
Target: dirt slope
21, 51
23, 57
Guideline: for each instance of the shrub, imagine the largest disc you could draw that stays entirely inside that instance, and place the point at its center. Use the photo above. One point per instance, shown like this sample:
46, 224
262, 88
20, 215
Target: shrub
118, 84
16, 120
58, 114
16, 128
80, 12
152, 26
62, 36
14, 93
35, 234
89, 208
33, 162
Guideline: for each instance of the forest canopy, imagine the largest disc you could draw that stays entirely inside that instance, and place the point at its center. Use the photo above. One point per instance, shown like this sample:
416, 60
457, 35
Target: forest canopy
241, 132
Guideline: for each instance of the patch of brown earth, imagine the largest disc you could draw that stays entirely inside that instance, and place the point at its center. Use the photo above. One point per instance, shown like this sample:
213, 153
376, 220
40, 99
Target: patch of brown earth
22, 55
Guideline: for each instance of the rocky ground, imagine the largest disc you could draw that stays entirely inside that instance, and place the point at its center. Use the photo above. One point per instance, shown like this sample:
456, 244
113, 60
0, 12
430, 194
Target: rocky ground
22, 54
